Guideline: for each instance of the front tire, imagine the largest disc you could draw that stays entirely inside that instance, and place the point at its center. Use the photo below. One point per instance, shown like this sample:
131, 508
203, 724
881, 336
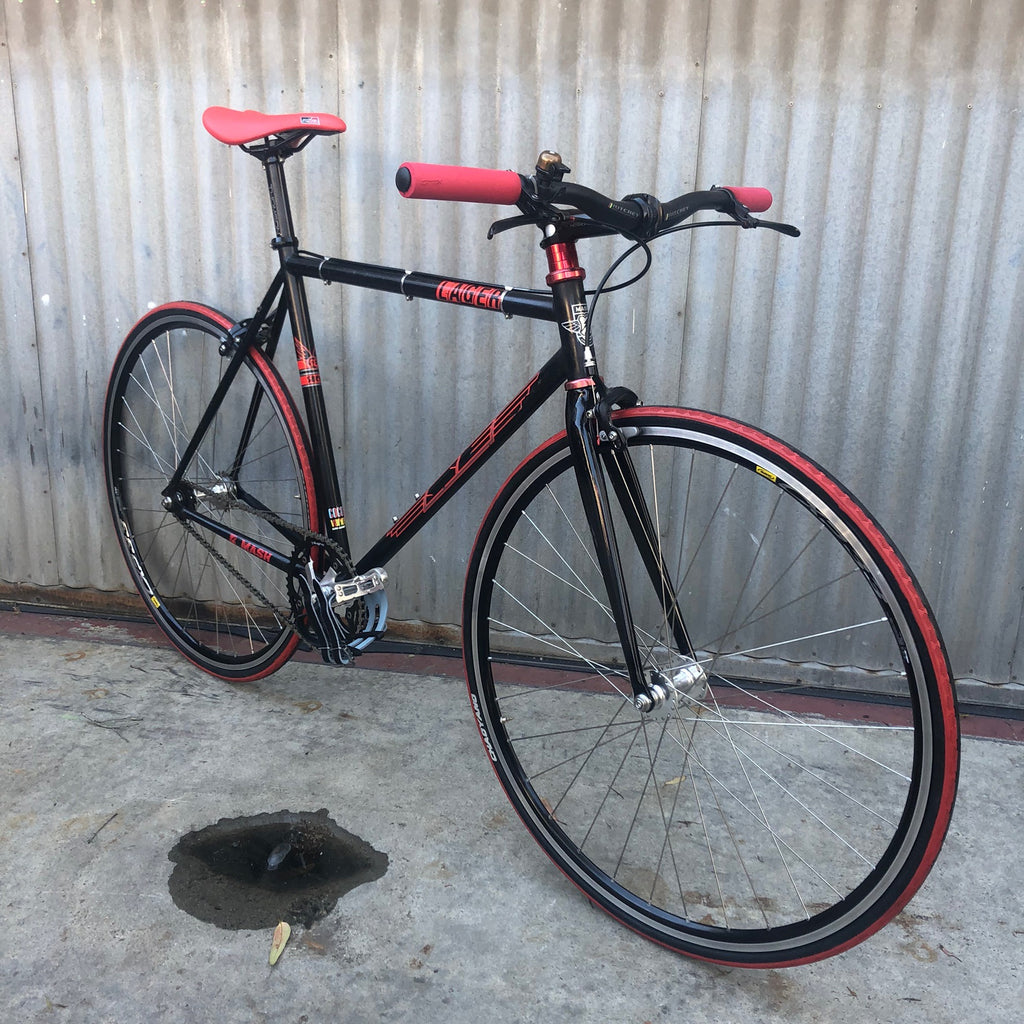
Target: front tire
793, 793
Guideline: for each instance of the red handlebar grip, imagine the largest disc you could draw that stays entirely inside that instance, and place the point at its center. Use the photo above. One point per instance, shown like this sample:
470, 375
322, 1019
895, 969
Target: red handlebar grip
756, 200
460, 184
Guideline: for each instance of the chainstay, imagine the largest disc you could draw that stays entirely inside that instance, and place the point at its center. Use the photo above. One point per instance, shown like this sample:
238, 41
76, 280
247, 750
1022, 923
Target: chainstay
337, 555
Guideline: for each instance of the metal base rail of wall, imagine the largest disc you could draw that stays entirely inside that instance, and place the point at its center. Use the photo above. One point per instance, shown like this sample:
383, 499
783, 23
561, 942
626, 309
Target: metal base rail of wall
978, 698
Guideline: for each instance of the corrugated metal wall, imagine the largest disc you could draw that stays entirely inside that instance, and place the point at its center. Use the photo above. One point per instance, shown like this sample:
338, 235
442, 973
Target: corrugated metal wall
886, 341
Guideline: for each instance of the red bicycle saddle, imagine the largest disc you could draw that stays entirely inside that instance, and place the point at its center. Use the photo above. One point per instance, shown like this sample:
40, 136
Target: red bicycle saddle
237, 127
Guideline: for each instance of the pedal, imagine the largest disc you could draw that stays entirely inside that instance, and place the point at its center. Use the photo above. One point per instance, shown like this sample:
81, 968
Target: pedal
361, 604
360, 586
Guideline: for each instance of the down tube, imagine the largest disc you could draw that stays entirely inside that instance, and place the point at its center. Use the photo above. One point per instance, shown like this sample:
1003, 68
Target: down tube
479, 452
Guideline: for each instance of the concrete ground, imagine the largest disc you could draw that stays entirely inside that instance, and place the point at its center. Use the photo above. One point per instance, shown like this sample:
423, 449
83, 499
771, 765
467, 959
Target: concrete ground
113, 747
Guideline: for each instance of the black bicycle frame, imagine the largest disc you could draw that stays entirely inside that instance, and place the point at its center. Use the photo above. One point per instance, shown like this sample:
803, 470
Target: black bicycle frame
572, 366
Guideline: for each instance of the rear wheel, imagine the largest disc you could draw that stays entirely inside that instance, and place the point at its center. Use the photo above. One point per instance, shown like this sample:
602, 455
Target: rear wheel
793, 790
226, 609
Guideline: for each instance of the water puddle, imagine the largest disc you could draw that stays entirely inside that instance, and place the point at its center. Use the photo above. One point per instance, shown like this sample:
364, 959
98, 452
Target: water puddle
250, 873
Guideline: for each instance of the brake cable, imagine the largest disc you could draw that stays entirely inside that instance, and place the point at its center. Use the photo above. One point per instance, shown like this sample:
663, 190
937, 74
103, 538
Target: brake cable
645, 245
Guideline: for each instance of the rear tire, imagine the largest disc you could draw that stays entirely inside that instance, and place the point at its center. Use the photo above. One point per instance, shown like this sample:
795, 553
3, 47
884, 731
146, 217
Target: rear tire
795, 790
223, 608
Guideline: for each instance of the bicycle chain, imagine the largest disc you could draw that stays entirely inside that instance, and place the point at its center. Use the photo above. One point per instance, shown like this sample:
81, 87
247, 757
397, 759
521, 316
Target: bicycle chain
338, 557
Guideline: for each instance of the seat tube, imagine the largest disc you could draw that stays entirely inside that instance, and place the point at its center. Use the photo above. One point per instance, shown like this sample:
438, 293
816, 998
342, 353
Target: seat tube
565, 278
325, 468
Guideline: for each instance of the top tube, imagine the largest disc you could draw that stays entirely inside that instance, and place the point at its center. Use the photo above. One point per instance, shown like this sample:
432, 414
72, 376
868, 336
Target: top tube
414, 284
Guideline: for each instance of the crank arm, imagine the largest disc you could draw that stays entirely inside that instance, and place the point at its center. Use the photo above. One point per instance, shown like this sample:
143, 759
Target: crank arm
333, 646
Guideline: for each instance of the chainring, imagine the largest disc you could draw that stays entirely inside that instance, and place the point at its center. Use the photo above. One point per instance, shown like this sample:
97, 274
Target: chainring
356, 617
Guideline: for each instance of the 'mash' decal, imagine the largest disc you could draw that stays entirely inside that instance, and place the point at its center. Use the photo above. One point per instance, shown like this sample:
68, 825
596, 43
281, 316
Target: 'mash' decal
253, 549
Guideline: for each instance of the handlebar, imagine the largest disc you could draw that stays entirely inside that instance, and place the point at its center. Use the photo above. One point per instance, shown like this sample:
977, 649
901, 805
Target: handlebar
636, 216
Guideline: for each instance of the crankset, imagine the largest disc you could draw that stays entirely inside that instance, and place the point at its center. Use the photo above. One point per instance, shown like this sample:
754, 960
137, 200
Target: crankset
336, 612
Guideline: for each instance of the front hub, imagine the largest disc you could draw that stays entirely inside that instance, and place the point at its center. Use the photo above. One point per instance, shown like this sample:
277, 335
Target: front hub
685, 684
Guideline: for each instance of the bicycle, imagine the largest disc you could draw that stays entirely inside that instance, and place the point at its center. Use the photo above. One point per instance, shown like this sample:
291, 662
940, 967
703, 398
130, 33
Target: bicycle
705, 678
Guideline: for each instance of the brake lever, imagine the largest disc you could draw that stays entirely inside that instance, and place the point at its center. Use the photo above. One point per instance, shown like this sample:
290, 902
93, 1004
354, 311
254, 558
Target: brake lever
507, 223
785, 229
579, 225
743, 217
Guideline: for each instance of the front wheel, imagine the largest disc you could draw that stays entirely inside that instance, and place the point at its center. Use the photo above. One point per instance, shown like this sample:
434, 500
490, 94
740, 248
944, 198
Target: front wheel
794, 788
